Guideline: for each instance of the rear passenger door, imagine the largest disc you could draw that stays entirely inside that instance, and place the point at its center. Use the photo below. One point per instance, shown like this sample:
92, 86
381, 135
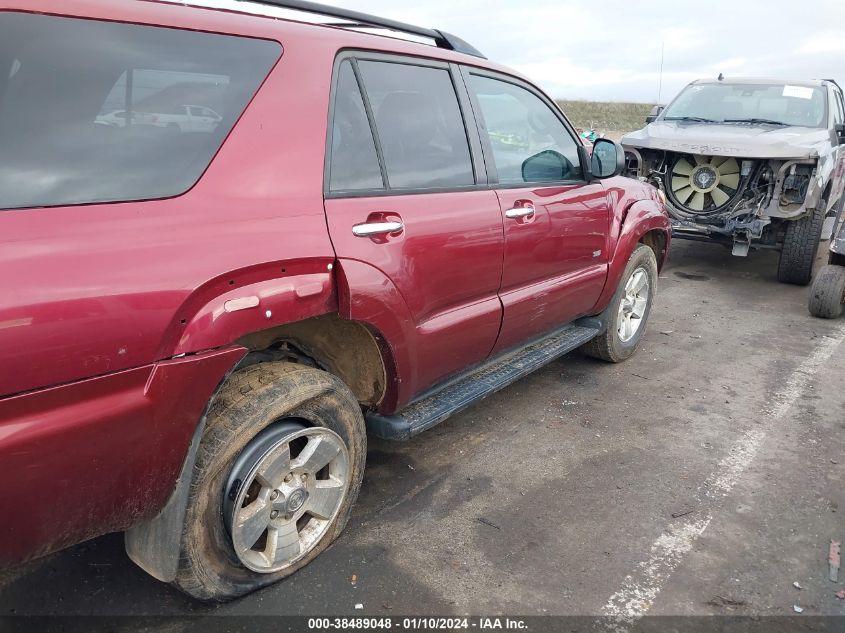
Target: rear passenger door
556, 222
406, 195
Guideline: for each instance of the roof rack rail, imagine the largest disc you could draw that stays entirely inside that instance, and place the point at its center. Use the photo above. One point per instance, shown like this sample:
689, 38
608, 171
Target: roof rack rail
356, 18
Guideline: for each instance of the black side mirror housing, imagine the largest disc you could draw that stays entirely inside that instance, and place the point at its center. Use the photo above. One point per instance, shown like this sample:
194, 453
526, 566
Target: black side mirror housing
655, 112
840, 132
607, 159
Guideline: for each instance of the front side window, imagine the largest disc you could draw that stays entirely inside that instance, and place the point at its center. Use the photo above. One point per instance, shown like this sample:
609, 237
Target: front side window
530, 143
737, 103
96, 111
419, 125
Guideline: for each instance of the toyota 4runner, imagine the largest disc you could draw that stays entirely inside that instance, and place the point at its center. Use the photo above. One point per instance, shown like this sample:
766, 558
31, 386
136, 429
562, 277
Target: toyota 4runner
198, 324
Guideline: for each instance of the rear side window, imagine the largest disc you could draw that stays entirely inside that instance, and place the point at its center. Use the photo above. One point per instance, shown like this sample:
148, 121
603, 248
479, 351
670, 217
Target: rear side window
419, 125
97, 112
354, 162
522, 130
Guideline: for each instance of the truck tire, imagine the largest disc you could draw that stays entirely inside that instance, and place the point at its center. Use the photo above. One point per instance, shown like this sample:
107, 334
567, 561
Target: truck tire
828, 292
800, 245
629, 309
277, 471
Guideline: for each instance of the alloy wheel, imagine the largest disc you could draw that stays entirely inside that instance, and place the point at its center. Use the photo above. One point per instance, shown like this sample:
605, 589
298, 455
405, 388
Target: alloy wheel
283, 493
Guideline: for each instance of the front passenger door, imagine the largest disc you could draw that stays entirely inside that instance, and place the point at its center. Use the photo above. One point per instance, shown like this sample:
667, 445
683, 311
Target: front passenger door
556, 222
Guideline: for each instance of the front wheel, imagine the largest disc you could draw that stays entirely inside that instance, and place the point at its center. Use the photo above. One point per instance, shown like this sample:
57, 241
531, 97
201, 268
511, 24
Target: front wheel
800, 244
278, 469
629, 309
827, 293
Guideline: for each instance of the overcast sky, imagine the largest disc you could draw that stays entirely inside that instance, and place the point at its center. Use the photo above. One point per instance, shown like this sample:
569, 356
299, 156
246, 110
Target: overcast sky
610, 49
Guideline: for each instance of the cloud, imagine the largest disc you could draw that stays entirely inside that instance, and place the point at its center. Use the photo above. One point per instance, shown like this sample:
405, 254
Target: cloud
612, 49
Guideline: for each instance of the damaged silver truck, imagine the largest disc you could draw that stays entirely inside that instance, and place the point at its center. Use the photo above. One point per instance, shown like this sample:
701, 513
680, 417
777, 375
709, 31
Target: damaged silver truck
751, 163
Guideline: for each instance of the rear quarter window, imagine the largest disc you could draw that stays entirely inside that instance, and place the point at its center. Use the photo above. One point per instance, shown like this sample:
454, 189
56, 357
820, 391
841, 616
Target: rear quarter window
96, 111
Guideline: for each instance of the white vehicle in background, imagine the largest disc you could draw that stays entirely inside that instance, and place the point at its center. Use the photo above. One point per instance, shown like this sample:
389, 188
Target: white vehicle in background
188, 118
182, 118
117, 118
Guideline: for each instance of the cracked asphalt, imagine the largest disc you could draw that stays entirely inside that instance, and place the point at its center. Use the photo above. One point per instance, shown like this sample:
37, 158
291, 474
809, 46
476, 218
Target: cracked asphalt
579, 482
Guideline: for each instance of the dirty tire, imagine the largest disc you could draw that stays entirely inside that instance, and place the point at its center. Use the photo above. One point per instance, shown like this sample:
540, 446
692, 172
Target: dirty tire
800, 245
254, 398
827, 293
609, 346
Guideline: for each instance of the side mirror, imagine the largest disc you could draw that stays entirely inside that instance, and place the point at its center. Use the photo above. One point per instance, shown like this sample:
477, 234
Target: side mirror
547, 166
655, 112
840, 132
607, 160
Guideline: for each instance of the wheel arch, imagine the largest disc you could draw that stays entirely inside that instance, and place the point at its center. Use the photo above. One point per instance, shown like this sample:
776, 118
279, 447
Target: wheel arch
645, 222
658, 241
348, 349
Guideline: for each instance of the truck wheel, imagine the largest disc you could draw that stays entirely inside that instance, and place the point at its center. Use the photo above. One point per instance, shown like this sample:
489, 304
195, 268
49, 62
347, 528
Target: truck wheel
800, 245
629, 310
828, 292
278, 469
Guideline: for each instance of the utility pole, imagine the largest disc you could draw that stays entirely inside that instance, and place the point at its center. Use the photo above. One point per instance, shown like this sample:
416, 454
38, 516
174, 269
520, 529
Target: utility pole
660, 81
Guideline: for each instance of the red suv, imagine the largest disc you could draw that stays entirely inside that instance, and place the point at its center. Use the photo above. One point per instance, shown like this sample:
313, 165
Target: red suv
199, 322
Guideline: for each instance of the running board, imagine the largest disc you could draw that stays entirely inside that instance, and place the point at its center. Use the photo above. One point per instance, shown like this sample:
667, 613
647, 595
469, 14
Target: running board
460, 393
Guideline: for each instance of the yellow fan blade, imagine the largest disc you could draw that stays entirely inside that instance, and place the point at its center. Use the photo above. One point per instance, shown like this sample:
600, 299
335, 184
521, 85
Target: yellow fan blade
682, 167
683, 194
717, 161
697, 202
700, 160
679, 182
730, 166
729, 180
719, 197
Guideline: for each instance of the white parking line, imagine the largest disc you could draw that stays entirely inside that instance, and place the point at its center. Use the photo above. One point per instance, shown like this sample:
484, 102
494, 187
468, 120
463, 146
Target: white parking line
641, 587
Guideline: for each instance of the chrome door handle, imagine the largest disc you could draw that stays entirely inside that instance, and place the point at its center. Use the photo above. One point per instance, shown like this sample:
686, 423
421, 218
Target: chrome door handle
519, 212
376, 228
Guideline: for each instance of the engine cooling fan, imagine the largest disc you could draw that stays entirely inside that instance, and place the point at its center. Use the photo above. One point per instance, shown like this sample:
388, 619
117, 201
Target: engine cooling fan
703, 184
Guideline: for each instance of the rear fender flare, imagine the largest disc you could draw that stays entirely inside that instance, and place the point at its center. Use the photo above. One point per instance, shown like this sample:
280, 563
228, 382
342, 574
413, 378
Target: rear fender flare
242, 302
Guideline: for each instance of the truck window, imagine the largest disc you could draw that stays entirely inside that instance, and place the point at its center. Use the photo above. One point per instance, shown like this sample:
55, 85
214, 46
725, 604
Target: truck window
354, 163
520, 125
419, 125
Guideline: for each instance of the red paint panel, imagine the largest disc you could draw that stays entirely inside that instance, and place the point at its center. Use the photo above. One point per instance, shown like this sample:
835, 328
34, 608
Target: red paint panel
555, 259
98, 455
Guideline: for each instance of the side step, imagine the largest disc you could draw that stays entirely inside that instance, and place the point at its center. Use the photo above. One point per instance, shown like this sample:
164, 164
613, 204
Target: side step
479, 383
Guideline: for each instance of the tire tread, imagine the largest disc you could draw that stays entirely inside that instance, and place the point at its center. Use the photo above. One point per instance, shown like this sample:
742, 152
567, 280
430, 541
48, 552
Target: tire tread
827, 293
800, 245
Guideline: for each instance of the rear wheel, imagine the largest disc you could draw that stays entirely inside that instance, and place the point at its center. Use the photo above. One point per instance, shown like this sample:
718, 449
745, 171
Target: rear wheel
277, 473
629, 309
800, 245
827, 293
